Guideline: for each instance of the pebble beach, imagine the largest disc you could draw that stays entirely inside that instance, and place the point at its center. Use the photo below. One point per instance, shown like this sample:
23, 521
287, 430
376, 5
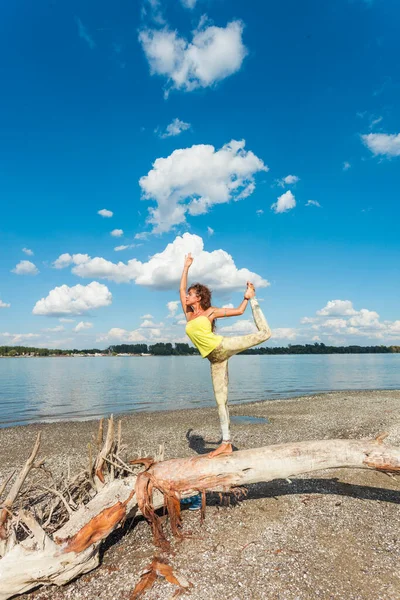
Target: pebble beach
331, 534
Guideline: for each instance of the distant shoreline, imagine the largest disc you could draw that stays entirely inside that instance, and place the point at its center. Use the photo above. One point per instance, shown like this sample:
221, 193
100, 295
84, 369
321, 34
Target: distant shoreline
181, 349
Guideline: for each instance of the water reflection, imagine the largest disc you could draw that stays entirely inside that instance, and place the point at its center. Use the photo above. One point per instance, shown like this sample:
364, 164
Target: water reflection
48, 389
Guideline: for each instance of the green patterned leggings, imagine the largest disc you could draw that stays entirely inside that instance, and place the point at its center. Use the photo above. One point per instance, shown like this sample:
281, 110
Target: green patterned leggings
219, 362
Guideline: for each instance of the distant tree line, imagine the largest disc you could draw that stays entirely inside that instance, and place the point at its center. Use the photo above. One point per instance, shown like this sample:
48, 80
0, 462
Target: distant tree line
181, 349
320, 348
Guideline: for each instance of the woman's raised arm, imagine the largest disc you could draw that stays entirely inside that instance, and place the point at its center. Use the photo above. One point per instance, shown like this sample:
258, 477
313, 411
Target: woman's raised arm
218, 313
183, 284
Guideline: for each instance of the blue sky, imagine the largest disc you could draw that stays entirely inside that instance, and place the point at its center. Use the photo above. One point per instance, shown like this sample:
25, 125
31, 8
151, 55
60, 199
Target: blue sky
262, 136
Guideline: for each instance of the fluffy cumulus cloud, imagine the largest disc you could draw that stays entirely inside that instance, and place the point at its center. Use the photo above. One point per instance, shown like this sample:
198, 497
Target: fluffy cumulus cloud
117, 232
27, 251
284, 203
288, 180
25, 267
382, 144
337, 308
340, 318
175, 128
83, 325
142, 334
117, 334
172, 306
240, 327
76, 300
284, 333
213, 54
192, 180
163, 270
4, 304
105, 213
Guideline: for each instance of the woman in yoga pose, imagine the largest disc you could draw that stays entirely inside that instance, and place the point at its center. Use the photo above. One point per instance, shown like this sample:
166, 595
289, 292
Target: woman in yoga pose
200, 316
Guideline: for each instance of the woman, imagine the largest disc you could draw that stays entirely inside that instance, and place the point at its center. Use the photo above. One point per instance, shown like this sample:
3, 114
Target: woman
201, 315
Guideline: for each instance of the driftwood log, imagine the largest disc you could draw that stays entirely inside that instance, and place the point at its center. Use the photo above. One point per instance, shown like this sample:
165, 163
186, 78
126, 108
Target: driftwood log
51, 550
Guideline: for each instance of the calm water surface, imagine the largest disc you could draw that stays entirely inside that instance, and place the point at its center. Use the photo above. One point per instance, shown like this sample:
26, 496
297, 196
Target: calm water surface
52, 389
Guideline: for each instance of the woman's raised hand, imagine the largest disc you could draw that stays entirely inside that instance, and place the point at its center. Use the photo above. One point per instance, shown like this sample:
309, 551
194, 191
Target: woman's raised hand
250, 291
188, 260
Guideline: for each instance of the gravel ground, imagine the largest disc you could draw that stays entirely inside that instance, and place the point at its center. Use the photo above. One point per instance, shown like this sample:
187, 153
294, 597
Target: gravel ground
330, 535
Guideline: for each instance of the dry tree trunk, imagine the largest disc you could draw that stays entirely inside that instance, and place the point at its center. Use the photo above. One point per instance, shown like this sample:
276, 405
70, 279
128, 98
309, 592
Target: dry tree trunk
74, 548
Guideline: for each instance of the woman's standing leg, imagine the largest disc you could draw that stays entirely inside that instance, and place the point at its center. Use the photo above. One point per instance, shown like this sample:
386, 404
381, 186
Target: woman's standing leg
220, 380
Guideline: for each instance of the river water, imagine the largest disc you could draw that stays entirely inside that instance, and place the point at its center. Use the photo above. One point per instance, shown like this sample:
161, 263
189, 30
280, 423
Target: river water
52, 389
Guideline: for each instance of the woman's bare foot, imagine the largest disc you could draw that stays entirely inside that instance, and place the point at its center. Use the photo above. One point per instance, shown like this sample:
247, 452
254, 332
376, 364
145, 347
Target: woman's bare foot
250, 292
224, 448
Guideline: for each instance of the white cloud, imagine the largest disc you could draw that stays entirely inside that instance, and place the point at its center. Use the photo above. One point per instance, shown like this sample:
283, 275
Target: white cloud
192, 180
229, 305
332, 324
163, 270
4, 304
105, 213
27, 251
313, 203
346, 165
307, 320
117, 334
76, 300
147, 324
17, 338
64, 260
210, 231
127, 247
153, 9
339, 318
84, 34
366, 318
54, 329
284, 333
175, 128
122, 335
288, 180
337, 308
375, 121
382, 143
117, 232
213, 54
189, 3
64, 320
240, 327
172, 306
284, 203
259, 212
148, 316
25, 267
83, 325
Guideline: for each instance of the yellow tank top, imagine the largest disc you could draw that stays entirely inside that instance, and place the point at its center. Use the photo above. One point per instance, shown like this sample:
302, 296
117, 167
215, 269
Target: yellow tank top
200, 332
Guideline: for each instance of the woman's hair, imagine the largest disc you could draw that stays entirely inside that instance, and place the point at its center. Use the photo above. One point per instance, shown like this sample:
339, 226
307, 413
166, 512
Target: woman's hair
205, 297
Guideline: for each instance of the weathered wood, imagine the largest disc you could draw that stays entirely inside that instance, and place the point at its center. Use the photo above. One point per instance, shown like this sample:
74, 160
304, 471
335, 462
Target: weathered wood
74, 548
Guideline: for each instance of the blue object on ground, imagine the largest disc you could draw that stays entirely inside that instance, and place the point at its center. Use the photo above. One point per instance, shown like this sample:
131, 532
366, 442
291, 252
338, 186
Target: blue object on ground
194, 502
